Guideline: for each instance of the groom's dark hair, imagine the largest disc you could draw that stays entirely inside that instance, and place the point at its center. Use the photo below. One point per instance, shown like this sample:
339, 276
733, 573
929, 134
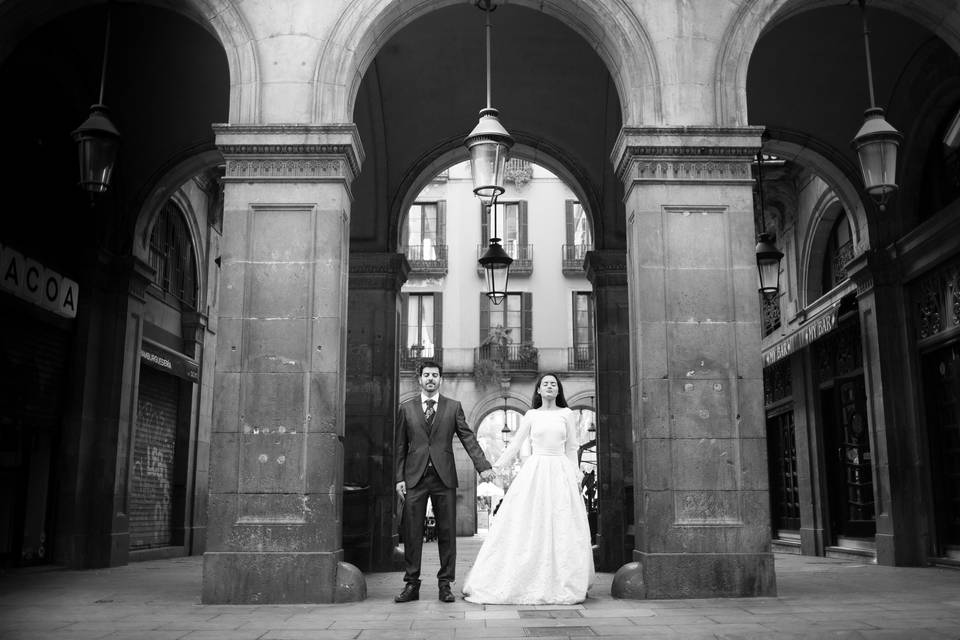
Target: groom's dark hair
428, 364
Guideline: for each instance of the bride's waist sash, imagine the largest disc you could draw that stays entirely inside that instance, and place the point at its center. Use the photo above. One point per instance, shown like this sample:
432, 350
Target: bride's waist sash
548, 451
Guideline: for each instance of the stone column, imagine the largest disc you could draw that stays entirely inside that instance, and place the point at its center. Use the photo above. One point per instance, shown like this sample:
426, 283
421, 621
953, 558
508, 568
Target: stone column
373, 371
607, 272
894, 440
93, 526
700, 463
276, 451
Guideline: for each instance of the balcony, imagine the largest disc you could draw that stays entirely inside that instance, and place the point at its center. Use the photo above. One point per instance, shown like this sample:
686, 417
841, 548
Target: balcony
411, 357
427, 259
581, 358
522, 255
573, 257
507, 360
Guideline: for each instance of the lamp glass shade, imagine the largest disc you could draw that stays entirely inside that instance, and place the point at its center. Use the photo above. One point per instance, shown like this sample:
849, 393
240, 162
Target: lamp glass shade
768, 264
877, 144
489, 144
496, 264
97, 142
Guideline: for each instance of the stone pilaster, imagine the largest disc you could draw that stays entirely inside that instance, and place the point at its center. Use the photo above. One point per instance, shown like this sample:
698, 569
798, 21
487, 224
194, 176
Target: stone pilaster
700, 471
607, 272
893, 438
276, 461
372, 383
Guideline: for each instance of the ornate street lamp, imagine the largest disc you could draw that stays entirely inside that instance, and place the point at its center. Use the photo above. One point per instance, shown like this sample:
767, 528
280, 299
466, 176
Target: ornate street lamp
489, 142
97, 139
768, 256
877, 142
496, 263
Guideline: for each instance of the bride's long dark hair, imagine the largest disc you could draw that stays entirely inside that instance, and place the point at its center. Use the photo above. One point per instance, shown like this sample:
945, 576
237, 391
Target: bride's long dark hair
538, 401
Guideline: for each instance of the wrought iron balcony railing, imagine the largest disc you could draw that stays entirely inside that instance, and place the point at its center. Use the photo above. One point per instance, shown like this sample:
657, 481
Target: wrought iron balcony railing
410, 357
770, 304
510, 358
573, 256
427, 259
522, 255
581, 357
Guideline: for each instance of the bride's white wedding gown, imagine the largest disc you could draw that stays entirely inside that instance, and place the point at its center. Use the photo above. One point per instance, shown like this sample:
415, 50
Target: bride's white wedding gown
538, 548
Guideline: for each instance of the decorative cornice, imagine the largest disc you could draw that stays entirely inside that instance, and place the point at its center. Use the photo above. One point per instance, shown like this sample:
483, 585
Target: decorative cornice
387, 271
290, 153
718, 155
607, 267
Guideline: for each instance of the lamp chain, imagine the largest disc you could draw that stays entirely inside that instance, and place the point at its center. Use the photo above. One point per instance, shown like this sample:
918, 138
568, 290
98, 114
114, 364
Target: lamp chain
487, 29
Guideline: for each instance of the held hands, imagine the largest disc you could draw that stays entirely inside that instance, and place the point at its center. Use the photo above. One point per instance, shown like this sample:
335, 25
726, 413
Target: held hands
401, 489
487, 475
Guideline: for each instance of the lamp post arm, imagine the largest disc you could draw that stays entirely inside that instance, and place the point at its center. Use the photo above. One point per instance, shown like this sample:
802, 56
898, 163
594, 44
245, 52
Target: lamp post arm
866, 49
106, 49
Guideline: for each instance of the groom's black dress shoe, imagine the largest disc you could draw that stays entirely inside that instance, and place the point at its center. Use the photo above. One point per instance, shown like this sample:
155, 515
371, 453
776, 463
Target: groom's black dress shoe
446, 595
410, 592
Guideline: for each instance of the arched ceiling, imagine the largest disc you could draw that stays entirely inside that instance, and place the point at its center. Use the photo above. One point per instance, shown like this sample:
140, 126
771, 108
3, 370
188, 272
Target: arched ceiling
421, 95
807, 80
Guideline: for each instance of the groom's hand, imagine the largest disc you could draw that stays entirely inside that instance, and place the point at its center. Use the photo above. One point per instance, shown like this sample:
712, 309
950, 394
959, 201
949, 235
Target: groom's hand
401, 489
487, 475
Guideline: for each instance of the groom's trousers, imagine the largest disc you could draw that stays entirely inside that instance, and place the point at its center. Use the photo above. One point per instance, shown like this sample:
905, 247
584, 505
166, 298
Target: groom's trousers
444, 500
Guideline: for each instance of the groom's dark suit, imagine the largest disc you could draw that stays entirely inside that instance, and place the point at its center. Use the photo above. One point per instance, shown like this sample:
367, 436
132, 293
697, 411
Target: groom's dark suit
424, 460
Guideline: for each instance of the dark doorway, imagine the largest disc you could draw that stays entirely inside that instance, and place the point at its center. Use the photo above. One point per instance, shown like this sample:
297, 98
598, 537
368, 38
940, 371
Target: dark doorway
941, 383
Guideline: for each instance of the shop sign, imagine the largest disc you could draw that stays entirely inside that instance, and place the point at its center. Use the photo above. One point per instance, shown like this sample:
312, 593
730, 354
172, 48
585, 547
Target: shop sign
169, 361
811, 331
31, 281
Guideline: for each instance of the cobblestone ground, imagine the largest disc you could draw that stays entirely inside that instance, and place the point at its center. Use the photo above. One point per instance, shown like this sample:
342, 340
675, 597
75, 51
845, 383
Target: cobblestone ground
818, 598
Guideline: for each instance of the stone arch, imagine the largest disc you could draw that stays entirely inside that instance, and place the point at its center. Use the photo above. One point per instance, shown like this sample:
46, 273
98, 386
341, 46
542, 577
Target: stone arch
753, 17
221, 17
491, 403
168, 187
833, 169
452, 151
827, 212
609, 25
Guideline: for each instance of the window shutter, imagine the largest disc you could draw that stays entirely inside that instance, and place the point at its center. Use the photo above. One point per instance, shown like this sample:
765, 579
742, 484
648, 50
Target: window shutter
522, 222
571, 223
484, 317
526, 313
404, 325
484, 225
441, 222
573, 302
438, 320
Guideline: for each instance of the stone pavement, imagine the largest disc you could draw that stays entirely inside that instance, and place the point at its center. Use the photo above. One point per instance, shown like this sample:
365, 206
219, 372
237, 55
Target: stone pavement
818, 598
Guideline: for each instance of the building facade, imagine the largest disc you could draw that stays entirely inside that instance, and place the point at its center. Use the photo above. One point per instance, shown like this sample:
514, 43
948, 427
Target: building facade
208, 357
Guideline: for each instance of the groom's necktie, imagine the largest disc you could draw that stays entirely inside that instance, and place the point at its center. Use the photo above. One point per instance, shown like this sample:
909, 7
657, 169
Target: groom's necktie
429, 412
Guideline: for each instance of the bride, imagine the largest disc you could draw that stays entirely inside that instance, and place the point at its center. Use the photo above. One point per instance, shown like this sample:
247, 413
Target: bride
538, 548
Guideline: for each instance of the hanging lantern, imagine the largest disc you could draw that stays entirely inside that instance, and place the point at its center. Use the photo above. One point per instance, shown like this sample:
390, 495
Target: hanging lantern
97, 143
877, 144
768, 264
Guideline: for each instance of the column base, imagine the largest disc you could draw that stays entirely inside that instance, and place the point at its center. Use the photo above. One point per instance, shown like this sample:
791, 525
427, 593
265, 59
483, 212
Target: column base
654, 576
280, 578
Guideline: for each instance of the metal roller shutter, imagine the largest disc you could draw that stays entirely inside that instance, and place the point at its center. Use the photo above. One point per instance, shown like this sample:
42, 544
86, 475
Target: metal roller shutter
151, 493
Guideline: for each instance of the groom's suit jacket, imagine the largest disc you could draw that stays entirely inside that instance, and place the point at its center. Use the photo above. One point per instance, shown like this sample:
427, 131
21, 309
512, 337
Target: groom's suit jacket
418, 444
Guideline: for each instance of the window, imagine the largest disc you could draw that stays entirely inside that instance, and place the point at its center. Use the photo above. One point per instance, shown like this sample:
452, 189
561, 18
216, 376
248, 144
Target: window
171, 256
424, 239
512, 230
579, 239
506, 332
420, 328
838, 253
581, 354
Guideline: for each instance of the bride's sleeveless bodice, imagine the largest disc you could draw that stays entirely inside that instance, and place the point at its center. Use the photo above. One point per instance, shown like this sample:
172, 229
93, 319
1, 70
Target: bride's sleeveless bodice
548, 432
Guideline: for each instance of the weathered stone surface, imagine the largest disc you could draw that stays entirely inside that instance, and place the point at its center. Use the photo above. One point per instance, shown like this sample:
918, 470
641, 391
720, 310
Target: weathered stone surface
696, 575
273, 578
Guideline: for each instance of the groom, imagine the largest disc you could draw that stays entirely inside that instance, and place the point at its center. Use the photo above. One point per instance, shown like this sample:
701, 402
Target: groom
425, 468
